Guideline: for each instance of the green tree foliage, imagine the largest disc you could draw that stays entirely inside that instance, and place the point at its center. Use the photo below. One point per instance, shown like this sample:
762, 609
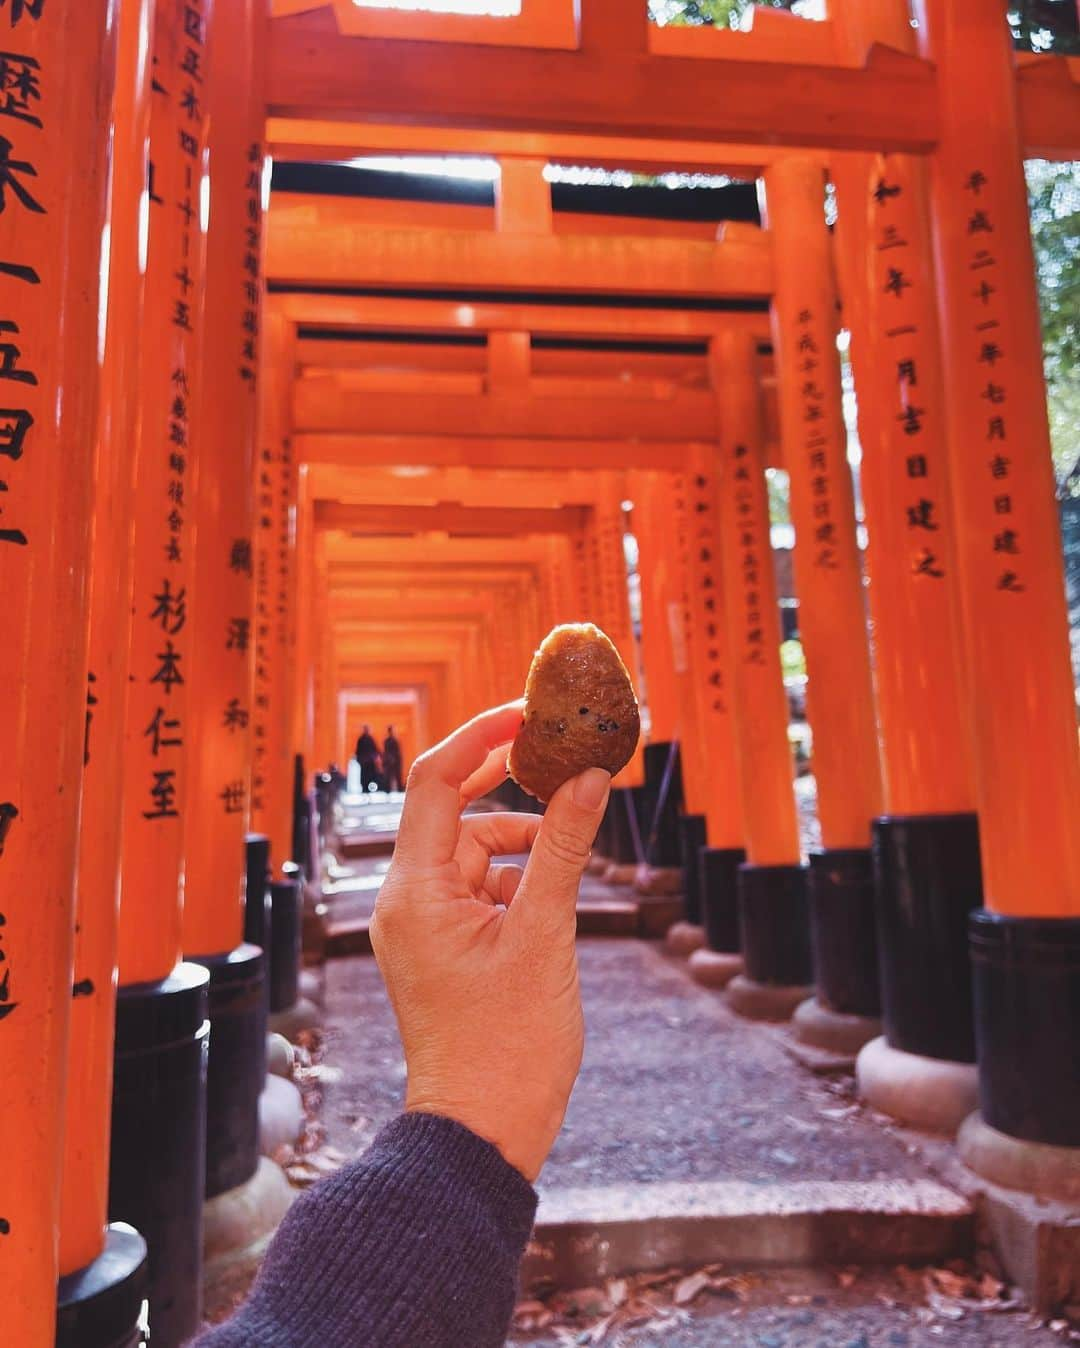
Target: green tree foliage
1045, 25
1054, 201
711, 13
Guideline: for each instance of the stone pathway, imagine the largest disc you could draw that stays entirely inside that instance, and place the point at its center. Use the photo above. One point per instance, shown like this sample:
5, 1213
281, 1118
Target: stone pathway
673, 1087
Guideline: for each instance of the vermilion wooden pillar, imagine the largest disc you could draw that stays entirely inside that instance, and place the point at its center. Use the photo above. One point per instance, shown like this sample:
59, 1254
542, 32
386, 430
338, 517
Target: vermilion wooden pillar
709, 659
271, 757
926, 844
159, 1089
54, 144
772, 929
91, 1290
832, 614
652, 527
1026, 947
223, 643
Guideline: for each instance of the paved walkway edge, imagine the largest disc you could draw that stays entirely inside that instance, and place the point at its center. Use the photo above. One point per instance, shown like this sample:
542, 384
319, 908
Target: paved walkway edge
585, 1235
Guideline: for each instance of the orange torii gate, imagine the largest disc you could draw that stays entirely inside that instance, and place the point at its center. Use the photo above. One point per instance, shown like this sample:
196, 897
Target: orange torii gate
601, 86
829, 77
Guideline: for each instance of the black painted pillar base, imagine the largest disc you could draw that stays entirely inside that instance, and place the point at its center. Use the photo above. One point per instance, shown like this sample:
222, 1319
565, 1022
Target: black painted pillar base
774, 918
843, 931
622, 830
692, 841
100, 1306
660, 816
158, 1146
286, 899
604, 844
1027, 1025
256, 888
720, 897
236, 1072
927, 880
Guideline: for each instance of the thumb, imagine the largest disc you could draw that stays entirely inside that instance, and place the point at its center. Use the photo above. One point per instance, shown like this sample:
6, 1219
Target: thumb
549, 887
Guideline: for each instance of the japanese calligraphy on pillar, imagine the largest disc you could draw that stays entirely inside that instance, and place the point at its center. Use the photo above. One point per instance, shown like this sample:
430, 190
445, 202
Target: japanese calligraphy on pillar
679, 608
903, 307
989, 418
707, 621
264, 520
24, 113
163, 566
252, 267
814, 367
756, 624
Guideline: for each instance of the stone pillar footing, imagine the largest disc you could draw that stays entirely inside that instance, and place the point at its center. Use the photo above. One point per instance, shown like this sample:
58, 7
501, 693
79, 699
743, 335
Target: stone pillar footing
714, 968
281, 1115
683, 938
302, 1015
837, 1031
1035, 1168
238, 1223
100, 1306
935, 1094
765, 1001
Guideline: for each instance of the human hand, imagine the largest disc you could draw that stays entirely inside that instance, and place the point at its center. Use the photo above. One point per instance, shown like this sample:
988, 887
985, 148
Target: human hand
479, 960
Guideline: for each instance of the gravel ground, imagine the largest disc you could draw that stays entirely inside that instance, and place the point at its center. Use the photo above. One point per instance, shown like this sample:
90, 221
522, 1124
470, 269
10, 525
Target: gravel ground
673, 1085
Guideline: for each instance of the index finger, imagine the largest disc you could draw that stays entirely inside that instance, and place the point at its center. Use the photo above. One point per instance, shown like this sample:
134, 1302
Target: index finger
431, 816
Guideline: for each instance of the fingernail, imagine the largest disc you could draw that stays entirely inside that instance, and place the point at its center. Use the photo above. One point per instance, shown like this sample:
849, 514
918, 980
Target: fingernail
591, 789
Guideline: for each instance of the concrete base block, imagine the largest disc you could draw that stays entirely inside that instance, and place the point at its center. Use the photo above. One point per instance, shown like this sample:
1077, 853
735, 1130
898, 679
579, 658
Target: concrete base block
930, 1093
654, 880
279, 1056
302, 1015
1032, 1167
764, 1001
239, 1223
683, 938
619, 875
583, 1236
714, 968
835, 1031
281, 1115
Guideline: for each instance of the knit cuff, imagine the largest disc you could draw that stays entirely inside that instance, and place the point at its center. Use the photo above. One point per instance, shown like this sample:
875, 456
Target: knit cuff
429, 1146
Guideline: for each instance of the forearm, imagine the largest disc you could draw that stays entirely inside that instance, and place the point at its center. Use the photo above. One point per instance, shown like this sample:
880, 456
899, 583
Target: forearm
413, 1245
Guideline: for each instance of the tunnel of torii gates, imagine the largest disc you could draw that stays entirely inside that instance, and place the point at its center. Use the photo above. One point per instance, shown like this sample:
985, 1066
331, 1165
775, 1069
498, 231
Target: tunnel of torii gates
263, 471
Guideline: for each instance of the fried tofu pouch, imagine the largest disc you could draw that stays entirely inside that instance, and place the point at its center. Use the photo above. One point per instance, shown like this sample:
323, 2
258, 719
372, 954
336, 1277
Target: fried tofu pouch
580, 711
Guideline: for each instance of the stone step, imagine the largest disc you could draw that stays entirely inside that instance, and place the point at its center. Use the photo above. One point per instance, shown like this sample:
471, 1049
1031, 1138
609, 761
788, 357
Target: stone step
583, 1236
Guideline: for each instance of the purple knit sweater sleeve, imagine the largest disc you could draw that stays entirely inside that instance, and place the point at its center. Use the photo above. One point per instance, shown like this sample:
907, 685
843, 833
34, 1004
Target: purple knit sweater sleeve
415, 1244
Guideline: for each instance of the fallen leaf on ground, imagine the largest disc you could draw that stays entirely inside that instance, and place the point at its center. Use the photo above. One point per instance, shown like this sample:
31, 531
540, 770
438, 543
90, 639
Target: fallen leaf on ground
690, 1287
617, 1291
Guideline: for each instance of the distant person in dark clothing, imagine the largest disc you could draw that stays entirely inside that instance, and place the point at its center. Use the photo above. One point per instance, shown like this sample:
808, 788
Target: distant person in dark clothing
416, 1243
367, 754
392, 767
